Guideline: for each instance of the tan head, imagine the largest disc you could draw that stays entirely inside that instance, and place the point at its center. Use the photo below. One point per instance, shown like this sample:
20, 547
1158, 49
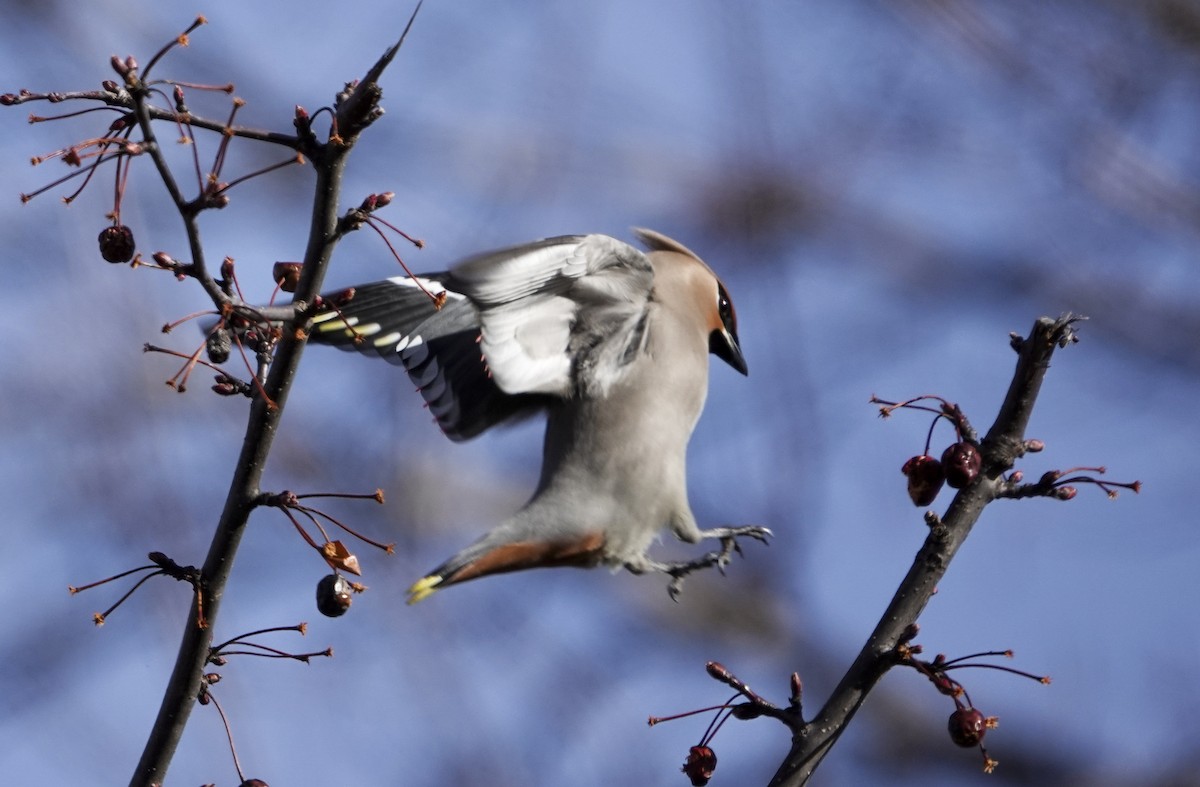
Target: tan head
718, 308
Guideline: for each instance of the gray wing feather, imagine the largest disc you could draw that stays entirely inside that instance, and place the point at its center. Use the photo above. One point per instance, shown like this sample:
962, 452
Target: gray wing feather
560, 315
552, 318
438, 347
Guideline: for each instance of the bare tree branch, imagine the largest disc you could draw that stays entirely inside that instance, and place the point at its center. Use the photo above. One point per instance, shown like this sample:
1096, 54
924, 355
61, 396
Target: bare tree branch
186, 681
1003, 445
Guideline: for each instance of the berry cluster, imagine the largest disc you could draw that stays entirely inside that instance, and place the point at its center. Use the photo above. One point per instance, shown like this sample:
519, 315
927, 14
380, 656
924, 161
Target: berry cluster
137, 100
961, 461
701, 761
967, 725
333, 591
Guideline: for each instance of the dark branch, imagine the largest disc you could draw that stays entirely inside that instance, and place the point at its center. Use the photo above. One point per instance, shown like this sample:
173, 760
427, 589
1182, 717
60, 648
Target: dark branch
358, 106
1004, 443
187, 678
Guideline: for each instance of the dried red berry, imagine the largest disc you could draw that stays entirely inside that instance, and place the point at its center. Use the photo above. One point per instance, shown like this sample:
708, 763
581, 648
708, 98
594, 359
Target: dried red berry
967, 727
333, 596
287, 275
116, 243
925, 477
700, 764
961, 463
218, 345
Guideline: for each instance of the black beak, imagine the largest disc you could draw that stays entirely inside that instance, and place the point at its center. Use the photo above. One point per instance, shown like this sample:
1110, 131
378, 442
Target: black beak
724, 344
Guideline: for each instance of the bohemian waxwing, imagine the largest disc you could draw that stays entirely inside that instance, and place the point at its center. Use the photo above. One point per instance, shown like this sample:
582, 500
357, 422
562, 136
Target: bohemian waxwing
611, 343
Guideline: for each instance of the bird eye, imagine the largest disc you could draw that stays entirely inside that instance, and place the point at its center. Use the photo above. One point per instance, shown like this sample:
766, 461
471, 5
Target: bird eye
725, 310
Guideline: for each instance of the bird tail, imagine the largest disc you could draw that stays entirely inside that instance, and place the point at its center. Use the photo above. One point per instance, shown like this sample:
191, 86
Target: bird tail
423, 588
486, 557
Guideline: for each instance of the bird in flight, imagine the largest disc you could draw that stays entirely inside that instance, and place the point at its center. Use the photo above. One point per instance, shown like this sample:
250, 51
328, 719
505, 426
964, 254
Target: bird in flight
610, 342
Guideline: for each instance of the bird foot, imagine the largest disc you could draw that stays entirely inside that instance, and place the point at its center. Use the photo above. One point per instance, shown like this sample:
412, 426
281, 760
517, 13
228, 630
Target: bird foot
728, 537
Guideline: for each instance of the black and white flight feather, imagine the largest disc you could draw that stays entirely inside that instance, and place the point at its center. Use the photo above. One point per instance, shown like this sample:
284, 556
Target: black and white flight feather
552, 318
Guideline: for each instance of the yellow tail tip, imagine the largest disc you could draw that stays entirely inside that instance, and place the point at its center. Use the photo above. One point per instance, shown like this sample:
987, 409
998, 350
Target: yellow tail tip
423, 588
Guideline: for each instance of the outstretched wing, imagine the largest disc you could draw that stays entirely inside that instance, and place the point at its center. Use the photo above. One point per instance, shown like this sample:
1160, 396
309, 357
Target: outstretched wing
397, 319
552, 318
561, 315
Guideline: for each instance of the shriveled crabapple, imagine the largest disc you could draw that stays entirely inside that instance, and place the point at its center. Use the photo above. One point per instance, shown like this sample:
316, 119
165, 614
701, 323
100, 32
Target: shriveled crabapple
218, 345
961, 463
287, 275
925, 478
967, 727
700, 765
116, 243
333, 596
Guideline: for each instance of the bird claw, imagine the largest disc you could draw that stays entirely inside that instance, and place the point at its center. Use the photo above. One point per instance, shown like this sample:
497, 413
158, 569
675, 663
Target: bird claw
728, 537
